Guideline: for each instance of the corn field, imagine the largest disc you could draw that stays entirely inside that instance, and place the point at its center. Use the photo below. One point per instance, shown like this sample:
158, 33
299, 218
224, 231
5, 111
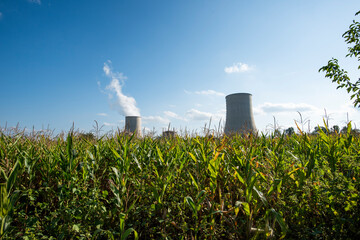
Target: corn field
121, 187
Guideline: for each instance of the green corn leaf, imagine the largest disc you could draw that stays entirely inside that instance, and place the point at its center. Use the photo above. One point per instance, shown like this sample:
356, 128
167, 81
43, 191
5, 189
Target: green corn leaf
200, 198
132, 137
128, 232
280, 143
193, 181
117, 155
279, 219
192, 157
122, 221
132, 206
3, 174
246, 208
348, 129
12, 177
136, 161
237, 174
291, 172
261, 196
276, 185
311, 163
117, 175
190, 202
3, 200
76, 228
160, 154
69, 145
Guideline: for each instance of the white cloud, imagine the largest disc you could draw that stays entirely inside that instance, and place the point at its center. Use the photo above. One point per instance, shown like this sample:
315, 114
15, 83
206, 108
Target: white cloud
284, 107
209, 92
171, 114
206, 92
35, 1
194, 114
258, 111
347, 108
1, 15
109, 73
102, 114
238, 68
109, 124
106, 68
156, 119
124, 104
342, 114
174, 115
216, 119
286, 115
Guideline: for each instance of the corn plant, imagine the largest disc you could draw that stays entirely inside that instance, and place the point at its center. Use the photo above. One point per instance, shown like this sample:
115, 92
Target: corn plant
118, 186
8, 197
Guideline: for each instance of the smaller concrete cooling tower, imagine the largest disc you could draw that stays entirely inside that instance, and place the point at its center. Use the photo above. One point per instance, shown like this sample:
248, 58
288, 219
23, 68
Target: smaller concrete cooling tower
133, 124
239, 115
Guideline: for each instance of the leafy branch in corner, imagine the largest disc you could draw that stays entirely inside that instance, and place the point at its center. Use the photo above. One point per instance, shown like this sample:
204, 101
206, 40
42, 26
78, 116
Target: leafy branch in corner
340, 76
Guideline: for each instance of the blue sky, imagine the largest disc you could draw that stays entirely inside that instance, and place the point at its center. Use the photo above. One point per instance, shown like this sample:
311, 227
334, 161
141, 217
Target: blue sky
173, 61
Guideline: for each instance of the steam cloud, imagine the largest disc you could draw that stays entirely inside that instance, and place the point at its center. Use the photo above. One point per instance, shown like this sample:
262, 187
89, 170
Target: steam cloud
125, 105
237, 68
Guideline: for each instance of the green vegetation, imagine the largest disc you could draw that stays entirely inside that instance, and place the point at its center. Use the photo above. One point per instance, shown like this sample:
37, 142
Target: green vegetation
293, 186
340, 76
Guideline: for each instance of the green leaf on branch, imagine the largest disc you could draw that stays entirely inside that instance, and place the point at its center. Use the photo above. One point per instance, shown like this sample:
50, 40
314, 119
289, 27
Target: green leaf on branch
336, 74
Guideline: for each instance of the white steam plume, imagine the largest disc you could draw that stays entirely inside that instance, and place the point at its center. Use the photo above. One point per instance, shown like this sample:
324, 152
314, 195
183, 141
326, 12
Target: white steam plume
125, 105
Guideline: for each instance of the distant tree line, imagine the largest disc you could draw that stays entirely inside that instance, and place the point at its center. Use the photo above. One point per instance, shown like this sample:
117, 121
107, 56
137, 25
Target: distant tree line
335, 129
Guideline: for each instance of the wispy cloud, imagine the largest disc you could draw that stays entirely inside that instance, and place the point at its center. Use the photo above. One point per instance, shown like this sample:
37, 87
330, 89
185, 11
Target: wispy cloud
206, 92
194, 114
35, 1
284, 107
1, 15
209, 92
124, 104
102, 114
258, 111
171, 114
158, 119
107, 124
174, 115
238, 68
344, 113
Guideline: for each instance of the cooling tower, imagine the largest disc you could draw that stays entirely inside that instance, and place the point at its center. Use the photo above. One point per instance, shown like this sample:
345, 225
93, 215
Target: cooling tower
169, 134
133, 124
239, 115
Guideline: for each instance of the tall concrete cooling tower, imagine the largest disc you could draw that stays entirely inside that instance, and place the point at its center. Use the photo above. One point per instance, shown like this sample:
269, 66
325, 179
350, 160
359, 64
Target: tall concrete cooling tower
239, 115
133, 125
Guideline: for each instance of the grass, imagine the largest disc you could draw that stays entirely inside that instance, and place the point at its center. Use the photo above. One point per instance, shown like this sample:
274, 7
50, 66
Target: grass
78, 186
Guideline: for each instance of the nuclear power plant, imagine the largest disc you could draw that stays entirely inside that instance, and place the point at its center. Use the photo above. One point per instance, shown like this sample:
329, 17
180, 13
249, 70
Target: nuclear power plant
133, 125
239, 115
